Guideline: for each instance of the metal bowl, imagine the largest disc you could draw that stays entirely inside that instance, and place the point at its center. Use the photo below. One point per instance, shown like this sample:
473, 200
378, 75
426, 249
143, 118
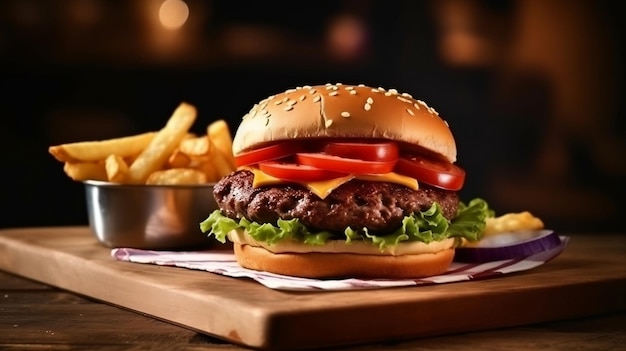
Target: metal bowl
155, 217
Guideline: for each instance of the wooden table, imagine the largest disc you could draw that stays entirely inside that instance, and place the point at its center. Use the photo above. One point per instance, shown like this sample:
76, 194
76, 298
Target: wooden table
34, 315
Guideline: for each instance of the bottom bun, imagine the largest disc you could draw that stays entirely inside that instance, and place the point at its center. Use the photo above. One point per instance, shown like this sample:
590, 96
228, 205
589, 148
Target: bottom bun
344, 265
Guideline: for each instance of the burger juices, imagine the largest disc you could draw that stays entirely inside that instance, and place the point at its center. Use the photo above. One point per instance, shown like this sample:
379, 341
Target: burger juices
338, 181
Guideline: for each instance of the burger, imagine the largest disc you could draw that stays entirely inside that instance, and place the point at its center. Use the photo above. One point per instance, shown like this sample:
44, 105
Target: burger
344, 181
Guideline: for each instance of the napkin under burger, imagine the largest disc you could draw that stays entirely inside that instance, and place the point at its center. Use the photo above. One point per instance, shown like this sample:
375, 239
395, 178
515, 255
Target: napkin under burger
344, 181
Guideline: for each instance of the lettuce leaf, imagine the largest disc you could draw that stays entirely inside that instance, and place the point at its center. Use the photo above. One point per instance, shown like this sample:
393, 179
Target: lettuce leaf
425, 226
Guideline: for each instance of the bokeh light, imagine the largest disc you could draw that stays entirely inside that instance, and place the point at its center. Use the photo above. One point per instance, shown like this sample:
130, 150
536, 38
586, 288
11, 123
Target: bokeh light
173, 14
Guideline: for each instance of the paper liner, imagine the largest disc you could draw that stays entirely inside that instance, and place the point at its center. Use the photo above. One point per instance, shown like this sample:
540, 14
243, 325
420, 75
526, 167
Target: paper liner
224, 263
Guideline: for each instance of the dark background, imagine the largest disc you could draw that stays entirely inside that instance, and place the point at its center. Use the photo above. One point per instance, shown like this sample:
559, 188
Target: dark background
533, 90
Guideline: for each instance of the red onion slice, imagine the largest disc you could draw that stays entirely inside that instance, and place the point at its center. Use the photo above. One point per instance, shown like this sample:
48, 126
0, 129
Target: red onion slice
509, 245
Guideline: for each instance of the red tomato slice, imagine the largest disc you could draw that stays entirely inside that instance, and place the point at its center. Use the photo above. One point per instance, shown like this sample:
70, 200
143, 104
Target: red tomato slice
383, 151
295, 172
440, 174
344, 165
268, 153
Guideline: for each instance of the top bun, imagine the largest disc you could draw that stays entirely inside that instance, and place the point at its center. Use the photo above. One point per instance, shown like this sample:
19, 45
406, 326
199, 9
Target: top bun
344, 111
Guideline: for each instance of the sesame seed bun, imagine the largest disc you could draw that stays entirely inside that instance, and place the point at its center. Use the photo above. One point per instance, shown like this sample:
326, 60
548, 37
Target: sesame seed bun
344, 111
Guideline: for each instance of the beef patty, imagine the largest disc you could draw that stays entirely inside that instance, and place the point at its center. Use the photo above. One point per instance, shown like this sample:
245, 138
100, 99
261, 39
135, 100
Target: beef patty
378, 206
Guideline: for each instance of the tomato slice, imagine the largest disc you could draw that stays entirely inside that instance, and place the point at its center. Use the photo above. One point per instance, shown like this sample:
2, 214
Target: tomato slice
344, 165
440, 174
268, 153
296, 172
383, 151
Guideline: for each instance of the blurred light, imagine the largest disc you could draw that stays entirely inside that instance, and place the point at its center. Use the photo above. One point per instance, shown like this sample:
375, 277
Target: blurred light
173, 14
462, 40
251, 41
347, 37
84, 12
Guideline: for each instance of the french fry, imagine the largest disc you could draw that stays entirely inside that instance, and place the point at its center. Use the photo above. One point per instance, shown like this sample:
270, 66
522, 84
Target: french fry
190, 135
177, 176
172, 155
198, 146
220, 136
511, 222
205, 165
94, 151
154, 156
116, 168
221, 164
80, 171
178, 159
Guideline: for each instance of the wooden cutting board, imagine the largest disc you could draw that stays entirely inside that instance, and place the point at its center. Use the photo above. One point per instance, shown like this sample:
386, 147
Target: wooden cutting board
589, 277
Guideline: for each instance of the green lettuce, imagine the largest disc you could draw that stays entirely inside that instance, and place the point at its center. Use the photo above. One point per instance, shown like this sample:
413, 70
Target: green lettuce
425, 226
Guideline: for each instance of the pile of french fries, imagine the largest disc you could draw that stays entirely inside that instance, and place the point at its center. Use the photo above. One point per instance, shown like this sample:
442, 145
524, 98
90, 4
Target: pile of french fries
170, 156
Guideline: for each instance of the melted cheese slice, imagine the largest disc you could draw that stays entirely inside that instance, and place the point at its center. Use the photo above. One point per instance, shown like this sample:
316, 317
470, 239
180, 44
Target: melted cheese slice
339, 246
325, 187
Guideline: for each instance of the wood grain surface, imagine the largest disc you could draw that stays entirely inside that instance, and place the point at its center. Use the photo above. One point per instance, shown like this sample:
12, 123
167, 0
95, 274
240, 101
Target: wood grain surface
36, 316
589, 278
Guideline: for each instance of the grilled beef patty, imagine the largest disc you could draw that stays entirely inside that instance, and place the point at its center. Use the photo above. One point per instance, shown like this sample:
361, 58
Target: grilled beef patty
379, 206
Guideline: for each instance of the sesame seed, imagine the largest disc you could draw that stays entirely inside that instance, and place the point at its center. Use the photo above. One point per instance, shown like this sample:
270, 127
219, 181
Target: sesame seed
312, 91
393, 91
361, 85
367, 107
285, 99
317, 98
349, 88
416, 105
292, 102
327, 84
267, 121
302, 97
446, 122
381, 89
288, 107
333, 93
407, 95
352, 92
370, 100
288, 91
278, 102
374, 90
345, 114
410, 112
328, 123
404, 100
388, 93
338, 84
306, 87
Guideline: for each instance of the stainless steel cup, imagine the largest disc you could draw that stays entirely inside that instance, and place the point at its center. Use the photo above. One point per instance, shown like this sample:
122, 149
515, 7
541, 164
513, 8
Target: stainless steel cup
156, 217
